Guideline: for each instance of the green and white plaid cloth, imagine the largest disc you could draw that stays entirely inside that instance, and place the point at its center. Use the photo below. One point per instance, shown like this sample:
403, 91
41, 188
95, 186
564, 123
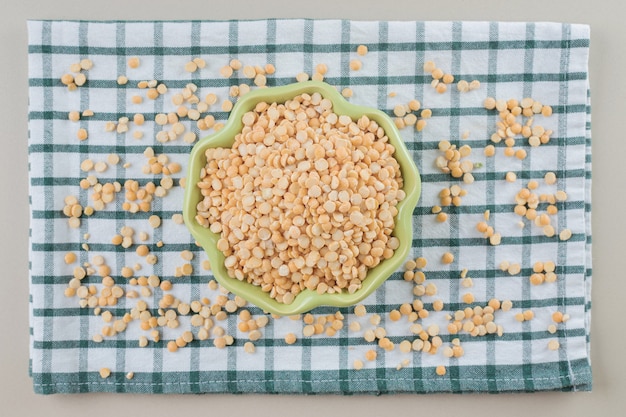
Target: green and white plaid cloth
545, 61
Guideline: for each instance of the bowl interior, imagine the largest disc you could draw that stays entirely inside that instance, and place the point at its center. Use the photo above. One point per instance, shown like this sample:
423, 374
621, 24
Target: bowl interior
306, 300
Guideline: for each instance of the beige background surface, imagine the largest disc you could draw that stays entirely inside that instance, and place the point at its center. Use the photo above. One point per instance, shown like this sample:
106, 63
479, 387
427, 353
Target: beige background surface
608, 60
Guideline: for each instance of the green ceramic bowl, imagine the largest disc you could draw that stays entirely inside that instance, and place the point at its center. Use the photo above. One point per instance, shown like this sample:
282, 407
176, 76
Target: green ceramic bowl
306, 300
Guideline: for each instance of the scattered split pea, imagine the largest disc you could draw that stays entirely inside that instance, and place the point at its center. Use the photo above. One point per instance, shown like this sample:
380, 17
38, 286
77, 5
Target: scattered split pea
565, 234
82, 134
447, 258
510, 127
355, 65
194, 64
290, 338
70, 258
133, 62
371, 355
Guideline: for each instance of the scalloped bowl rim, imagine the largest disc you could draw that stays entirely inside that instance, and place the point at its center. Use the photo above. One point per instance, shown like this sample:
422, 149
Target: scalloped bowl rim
307, 299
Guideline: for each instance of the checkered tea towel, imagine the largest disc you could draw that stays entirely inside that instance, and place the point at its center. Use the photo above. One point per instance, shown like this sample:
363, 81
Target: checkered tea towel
512, 316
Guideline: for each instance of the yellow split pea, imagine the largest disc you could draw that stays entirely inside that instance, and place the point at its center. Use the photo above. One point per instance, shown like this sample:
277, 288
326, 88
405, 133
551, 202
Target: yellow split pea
133, 62
355, 65
447, 258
